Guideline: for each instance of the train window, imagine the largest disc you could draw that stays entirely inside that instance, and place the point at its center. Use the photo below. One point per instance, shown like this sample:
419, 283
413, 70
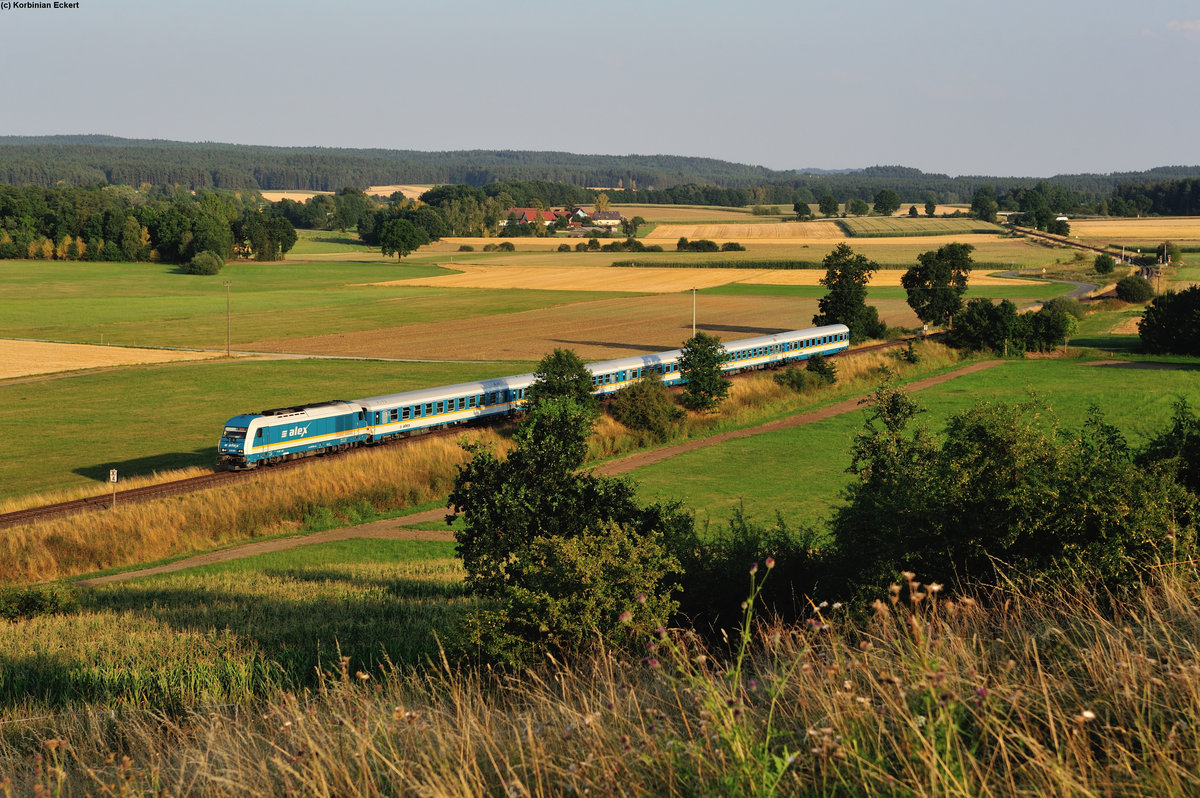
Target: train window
394, 414
416, 411
471, 401
441, 408
258, 434
405, 413
429, 408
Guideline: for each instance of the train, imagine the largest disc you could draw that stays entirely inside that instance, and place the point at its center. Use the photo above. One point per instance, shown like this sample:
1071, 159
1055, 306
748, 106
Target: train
273, 436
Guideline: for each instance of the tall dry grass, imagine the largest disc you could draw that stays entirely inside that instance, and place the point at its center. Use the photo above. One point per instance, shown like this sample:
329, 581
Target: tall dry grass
266, 504
1048, 694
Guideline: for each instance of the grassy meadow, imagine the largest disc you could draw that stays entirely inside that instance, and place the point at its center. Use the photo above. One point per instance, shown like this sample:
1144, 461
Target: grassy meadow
808, 463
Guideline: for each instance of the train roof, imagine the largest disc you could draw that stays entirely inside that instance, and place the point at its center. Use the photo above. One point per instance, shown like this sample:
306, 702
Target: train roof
444, 391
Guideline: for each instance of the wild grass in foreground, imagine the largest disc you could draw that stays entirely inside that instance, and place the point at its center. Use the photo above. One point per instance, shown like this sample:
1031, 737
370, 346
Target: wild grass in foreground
231, 633
1049, 694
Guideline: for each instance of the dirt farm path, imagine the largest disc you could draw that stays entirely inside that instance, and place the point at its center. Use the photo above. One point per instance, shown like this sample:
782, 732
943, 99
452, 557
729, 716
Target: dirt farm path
396, 528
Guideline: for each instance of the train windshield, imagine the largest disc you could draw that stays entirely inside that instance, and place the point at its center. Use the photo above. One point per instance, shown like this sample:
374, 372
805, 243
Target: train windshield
235, 433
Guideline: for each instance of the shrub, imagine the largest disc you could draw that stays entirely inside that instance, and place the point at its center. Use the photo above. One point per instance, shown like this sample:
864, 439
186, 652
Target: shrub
715, 564
17, 603
489, 247
732, 246
564, 247
1104, 264
647, 406
1065, 304
1134, 288
1171, 323
820, 366
506, 246
466, 248
581, 247
206, 262
1002, 487
1169, 252
611, 583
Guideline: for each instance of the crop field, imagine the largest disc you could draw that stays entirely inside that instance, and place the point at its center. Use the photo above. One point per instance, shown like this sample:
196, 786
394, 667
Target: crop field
642, 279
1144, 233
904, 226
26, 358
807, 464
689, 214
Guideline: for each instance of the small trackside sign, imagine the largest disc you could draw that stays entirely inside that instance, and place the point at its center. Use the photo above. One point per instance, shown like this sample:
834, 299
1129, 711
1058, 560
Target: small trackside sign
112, 475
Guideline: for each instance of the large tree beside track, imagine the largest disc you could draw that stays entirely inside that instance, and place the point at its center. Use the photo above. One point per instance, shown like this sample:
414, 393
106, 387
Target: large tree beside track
700, 364
846, 277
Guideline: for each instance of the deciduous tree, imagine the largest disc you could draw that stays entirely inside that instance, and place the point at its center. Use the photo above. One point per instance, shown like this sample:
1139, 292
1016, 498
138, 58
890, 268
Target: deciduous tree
846, 277
937, 283
700, 364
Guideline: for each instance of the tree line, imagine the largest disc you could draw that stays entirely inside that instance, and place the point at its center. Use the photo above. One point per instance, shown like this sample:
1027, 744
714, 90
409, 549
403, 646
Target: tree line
652, 179
119, 223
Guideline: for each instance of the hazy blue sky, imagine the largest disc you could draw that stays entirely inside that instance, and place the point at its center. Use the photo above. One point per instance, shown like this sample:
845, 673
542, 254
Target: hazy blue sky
965, 87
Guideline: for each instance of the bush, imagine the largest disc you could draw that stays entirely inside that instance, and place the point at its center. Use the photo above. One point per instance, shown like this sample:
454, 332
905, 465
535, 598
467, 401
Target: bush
702, 245
1134, 288
489, 247
1104, 264
581, 247
716, 564
1065, 304
18, 603
822, 368
564, 247
1003, 488
206, 262
732, 246
466, 248
647, 406
506, 246
611, 583
1171, 323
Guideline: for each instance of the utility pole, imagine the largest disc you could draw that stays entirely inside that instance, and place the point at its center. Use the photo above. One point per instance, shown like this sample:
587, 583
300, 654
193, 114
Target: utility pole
227, 283
693, 312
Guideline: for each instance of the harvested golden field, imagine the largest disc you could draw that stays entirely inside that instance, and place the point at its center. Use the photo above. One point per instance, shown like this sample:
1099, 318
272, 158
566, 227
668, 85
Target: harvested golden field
643, 280
412, 192
298, 196
778, 231
28, 358
683, 213
1116, 230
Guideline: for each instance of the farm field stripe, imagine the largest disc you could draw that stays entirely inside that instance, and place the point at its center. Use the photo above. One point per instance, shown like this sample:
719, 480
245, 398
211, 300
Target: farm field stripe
395, 528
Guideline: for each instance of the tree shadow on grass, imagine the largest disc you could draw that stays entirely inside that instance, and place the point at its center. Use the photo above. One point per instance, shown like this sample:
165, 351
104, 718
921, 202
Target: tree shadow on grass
205, 457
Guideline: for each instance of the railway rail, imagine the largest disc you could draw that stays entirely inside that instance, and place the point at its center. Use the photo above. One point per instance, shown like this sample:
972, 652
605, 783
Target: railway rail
219, 478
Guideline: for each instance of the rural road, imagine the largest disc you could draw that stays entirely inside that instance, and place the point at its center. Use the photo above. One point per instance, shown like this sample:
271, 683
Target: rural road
396, 528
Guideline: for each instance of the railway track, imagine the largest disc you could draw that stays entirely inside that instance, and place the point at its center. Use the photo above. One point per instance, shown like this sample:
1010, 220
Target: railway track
219, 478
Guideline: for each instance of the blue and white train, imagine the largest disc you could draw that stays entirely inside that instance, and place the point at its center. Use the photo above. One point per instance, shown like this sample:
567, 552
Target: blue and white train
273, 436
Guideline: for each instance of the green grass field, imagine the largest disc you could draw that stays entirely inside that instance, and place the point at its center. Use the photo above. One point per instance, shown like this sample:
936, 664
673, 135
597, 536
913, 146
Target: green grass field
155, 305
799, 472
153, 418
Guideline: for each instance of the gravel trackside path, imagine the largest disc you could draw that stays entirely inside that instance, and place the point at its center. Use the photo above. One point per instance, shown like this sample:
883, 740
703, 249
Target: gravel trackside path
397, 528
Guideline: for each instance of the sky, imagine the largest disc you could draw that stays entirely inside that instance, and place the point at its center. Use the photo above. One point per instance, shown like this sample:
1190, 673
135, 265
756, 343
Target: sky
1010, 88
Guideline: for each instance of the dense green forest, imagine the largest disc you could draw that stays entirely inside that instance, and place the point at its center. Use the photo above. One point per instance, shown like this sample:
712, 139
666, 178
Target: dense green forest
89, 160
